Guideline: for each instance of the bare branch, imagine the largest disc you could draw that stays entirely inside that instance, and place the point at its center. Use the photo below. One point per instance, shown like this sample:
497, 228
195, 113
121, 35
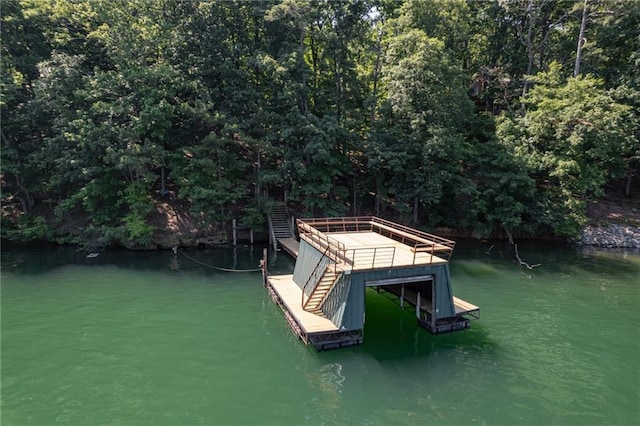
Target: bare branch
524, 263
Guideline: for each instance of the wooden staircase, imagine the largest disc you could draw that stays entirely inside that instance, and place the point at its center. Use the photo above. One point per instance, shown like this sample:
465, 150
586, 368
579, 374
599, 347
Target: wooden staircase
279, 224
321, 290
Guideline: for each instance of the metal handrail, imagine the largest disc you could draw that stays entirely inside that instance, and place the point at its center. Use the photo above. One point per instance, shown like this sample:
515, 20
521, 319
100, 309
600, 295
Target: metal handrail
414, 232
313, 231
430, 248
357, 223
315, 270
376, 255
334, 249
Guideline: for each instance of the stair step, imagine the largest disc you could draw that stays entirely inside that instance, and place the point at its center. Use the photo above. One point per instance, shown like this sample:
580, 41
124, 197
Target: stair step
320, 291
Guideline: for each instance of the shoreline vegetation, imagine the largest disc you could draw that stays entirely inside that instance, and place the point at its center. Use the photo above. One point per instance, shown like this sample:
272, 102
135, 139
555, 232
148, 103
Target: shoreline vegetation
612, 225
155, 123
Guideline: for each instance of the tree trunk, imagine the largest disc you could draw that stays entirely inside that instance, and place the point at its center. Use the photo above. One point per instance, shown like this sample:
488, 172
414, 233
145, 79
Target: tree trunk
162, 182
338, 75
530, 49
355, 197
581, 40
377, 202
509, 235
302, 101
376, 75
258, 177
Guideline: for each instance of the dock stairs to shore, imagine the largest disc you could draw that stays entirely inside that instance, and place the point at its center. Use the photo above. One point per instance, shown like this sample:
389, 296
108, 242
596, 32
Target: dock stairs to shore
280, 224
282, 235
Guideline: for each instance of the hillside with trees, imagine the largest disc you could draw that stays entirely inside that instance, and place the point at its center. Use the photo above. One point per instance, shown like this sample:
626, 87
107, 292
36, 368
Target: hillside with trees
501, 117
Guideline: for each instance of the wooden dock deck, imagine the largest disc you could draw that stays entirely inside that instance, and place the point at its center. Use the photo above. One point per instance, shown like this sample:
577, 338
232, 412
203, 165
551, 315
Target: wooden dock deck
291, 295
370, 250
362, 243
290, 245
310, 328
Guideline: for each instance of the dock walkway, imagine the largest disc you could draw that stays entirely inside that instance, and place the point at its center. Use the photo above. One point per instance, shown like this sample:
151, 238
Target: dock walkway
310, 328
290, 245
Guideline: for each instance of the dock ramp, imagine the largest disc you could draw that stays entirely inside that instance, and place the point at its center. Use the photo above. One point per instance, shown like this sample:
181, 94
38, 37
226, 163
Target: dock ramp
281, 231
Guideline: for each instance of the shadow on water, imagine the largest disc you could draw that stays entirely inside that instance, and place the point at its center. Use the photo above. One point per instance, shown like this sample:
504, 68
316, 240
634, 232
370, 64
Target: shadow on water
39, 259
392, 333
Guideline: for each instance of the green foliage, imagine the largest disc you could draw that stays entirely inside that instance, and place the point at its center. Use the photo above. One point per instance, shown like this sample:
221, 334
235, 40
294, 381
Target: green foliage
504, 194
29, 228
337, 107
137, 231
572, 140
421, 144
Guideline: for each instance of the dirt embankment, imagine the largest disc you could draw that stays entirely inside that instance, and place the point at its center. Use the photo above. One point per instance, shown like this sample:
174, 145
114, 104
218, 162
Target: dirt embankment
175, 226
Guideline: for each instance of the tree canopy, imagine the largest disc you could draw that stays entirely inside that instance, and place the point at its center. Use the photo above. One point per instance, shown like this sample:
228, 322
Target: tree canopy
494, 116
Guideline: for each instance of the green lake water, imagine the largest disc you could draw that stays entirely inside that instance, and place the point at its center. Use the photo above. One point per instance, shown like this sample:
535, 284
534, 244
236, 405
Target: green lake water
157, 339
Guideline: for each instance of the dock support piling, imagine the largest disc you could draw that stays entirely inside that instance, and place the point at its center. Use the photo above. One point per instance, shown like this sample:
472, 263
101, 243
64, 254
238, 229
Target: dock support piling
263, 266
418, 306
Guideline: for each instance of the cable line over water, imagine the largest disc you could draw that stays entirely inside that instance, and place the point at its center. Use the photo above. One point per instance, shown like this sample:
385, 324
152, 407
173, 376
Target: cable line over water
215, 267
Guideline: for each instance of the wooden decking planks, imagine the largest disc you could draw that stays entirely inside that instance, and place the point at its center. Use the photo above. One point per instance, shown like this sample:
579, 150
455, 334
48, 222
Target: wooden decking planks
291, 295
290, 245
464, 307
404, 256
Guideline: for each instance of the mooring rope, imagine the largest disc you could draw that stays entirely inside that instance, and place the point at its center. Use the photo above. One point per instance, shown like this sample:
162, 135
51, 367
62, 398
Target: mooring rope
216, 267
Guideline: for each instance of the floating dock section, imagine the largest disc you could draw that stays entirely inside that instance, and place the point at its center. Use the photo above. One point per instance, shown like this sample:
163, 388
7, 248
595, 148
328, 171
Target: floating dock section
338, 258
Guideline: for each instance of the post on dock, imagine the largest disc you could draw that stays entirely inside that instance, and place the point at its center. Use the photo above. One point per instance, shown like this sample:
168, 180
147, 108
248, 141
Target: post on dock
263, 266
418, 306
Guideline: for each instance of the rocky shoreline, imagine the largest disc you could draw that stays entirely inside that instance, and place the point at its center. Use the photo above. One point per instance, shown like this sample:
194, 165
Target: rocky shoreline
611, 236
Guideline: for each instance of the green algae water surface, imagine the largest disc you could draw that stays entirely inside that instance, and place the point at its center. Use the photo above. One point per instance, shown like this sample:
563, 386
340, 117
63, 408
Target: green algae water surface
157, 339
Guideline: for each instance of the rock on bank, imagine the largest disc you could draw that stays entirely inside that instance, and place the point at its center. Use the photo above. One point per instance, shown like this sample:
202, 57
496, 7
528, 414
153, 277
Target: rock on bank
619, 236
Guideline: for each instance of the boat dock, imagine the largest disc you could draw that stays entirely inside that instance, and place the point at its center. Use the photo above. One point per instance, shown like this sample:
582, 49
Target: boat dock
337, 258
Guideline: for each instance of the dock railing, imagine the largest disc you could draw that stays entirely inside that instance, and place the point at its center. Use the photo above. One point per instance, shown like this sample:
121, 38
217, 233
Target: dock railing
315, 276
315, 232
361, 258
333, 249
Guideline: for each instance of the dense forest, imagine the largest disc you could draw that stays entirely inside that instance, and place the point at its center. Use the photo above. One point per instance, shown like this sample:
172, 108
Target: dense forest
496, 117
